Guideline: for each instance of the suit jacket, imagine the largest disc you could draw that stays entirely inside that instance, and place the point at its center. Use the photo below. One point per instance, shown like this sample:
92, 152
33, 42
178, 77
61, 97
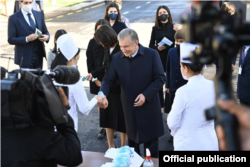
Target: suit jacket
18, 30
174, 79
40, 146
141, 74
95, 55
243, 88
157, 35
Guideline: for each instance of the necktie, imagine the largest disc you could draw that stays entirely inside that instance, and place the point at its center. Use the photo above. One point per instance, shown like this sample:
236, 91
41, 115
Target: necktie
32, 24
243, 53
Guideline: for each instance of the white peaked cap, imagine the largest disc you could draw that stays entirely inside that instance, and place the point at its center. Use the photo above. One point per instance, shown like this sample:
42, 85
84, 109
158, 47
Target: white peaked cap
185, 49
67, 46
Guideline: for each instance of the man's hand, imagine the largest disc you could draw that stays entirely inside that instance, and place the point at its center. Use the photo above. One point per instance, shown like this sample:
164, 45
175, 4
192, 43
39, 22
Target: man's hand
242, 114
167, 90
140, 100
45, 38
98, 83
89, 77
32, 37
160, 48
63, 96
103, 104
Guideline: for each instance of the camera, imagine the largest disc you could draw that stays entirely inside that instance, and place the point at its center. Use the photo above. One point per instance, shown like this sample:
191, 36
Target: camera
29, 97
219, 36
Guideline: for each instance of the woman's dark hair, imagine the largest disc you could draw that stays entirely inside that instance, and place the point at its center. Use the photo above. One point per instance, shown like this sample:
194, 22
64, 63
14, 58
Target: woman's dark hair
179, 34
194, 67
101, 22
157, 20
60, 59
112, 5
57, 35
106, 36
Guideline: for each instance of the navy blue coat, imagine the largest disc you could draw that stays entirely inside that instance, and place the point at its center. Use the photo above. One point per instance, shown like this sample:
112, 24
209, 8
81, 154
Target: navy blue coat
243, 87
174, 79
18, 30
141, 74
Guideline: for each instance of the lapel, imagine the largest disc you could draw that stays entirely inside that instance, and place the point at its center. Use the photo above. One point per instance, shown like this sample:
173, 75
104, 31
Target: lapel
23, 22
247, 57
37, 18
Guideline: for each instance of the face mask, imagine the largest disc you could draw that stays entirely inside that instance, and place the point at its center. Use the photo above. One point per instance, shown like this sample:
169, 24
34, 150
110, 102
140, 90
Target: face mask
163, 17
113, 16
184, 77
27, 8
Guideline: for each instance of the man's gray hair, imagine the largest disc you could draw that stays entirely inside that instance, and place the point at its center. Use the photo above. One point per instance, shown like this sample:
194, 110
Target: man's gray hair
128, 32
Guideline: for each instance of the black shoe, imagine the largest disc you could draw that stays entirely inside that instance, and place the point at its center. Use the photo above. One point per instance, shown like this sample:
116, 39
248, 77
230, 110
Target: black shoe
115, 135
101, 134
170, 139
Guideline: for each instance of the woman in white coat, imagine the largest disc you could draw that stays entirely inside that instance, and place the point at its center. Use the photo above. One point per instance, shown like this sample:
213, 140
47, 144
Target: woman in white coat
68, 54
186, 120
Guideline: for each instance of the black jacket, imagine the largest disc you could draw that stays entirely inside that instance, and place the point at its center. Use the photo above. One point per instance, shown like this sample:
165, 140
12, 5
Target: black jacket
41, 146
118, 26
156, 37
243, 88
95, 55
141, 74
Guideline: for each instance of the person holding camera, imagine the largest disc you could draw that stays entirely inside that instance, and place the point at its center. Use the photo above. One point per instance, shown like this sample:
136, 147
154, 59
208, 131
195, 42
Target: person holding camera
40, 145
22, 33
68, 54
186, 120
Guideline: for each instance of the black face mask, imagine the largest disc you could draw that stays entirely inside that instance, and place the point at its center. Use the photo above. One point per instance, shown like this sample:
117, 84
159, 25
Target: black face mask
163, 17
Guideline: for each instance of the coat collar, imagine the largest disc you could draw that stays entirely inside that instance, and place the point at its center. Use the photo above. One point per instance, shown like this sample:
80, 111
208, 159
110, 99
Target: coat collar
140, 51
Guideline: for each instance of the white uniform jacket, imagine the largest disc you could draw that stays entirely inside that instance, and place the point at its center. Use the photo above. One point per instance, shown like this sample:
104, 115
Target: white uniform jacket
187, 121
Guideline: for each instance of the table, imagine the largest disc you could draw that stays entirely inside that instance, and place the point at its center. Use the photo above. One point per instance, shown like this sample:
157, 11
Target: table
96, 159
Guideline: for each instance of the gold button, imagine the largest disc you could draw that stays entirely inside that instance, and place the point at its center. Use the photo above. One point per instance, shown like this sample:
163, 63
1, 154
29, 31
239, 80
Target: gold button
176, 74
176, 81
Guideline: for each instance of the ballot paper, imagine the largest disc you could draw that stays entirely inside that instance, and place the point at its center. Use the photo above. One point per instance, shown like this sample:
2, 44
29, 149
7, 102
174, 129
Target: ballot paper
135, 160
166, 42
39, 33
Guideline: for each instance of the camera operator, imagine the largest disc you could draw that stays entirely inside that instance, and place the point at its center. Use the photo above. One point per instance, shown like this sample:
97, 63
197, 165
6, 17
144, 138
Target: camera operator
41, 146
242, 113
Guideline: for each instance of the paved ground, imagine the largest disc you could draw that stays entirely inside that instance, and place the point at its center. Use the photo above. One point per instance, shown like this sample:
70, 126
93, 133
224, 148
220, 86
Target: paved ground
80, 24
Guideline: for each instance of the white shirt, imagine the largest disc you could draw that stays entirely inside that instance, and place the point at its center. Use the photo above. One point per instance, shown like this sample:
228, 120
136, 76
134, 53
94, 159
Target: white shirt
187, 121
26, 17
135, 52
77, 95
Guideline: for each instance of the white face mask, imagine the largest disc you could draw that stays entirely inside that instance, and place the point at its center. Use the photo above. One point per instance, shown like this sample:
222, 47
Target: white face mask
27, 8
184, 77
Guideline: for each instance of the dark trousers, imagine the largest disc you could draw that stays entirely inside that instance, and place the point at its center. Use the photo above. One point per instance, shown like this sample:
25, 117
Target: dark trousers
245, 103
169, 99
152, 145
36, 61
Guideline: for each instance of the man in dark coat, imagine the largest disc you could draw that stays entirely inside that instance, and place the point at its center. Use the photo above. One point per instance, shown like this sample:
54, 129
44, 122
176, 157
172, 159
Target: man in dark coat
141, 76
21, 32
243, 88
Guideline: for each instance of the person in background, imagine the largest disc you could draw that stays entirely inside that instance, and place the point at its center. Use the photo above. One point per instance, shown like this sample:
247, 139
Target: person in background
21, 32
112, 118
113, 15
52, 52
68, 55
123, 18
163, 28
243, 88
40, 4
174, 79
95, 55
186, 120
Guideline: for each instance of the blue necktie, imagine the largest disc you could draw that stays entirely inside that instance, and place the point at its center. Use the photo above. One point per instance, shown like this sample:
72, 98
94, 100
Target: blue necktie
32, 24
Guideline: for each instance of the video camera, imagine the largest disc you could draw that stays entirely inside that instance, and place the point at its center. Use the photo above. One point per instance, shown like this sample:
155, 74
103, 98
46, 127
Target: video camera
219, 36
29, 97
